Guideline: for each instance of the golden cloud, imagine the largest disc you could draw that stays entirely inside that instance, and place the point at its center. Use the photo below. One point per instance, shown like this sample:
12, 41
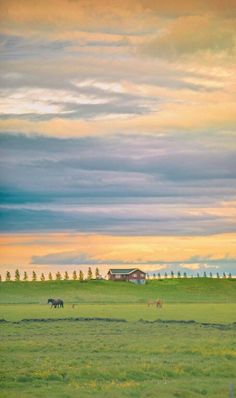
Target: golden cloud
172, 116
193, 34
105, 14
20, 248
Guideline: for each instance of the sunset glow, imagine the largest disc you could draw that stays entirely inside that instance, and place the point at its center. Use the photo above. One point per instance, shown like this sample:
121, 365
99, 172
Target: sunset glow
117, 132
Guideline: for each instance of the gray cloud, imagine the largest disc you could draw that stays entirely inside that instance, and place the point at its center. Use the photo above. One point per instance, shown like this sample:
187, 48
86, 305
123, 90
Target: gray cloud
147, 186
193, 265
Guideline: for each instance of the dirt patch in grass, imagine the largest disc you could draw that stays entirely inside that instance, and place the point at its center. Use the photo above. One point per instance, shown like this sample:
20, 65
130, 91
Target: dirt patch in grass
191, 322
99, 319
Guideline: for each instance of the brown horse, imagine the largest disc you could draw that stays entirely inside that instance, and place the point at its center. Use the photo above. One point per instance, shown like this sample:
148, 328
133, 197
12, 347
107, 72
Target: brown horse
157, 303
150, 303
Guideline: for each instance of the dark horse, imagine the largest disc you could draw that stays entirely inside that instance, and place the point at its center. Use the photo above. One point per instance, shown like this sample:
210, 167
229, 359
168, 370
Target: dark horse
56, 303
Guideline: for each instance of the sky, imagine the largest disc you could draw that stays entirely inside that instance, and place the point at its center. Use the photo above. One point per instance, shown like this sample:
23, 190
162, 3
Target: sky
117, 135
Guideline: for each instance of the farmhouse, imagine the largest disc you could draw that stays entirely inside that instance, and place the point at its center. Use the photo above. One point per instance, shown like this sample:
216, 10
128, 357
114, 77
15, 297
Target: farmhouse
134, 275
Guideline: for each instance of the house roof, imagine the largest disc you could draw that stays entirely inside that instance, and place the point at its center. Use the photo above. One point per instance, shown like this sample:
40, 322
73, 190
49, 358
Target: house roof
123, 271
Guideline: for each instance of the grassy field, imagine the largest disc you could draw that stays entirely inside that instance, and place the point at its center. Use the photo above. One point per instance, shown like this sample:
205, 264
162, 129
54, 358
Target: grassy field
196, 290
213, 313
68, 359
138, 357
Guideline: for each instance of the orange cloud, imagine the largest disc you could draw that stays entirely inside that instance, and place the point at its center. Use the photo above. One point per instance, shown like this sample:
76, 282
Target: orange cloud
18, 250
93, 15
172, 116
193, 34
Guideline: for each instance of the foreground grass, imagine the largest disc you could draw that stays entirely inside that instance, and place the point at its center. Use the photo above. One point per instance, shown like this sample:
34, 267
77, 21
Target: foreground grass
134, 359
68, 358
213, 313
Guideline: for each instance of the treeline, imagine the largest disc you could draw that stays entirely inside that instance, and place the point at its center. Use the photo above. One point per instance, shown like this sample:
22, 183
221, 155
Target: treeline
81, 276
58, 276
184, 275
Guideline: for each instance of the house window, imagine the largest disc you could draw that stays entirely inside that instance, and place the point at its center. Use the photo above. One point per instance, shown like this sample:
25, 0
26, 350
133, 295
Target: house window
135, 275
118, 276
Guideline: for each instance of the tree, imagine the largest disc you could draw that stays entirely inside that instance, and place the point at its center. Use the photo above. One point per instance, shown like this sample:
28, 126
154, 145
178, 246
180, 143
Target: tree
97, 273
185, 274
34, 276
90, 274
224, 275
25, 277
205, 275
42, 277
230, 275
66, 276
166, 275
17, 275
58, 276
198, 276
81, 276
0, 278
8, 276
172, 274
218, 275
50, 276
210, 274
179, 275
159, 275
74, 275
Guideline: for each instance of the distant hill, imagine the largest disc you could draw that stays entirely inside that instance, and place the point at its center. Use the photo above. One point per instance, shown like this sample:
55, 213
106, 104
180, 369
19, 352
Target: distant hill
169, 290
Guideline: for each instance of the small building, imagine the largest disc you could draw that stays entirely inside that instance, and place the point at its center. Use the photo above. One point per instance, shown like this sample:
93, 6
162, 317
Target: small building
134, 275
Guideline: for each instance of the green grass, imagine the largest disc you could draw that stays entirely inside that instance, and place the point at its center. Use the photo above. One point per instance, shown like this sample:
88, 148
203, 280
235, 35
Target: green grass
213, 313
132, 359
98, 359
196, 290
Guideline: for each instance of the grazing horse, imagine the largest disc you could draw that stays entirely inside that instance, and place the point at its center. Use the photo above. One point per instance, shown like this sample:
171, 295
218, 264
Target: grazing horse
56, 303
157, 303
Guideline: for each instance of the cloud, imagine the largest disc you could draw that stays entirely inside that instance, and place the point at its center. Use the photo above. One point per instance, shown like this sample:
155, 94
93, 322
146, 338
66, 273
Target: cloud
77, 258
193, 34
152, 253
66, 258
99, 99
103, 15
153, 185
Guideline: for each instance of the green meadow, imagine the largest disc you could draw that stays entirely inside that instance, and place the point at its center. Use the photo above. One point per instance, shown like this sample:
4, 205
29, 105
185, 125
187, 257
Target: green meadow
106, 341
193, 290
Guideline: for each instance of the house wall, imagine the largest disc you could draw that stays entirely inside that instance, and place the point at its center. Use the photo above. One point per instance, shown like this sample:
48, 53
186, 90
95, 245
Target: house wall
136, 275
118, 277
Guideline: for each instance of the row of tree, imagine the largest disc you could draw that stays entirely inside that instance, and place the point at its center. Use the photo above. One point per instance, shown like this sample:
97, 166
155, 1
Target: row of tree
184, 275
58, 276
81, 277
